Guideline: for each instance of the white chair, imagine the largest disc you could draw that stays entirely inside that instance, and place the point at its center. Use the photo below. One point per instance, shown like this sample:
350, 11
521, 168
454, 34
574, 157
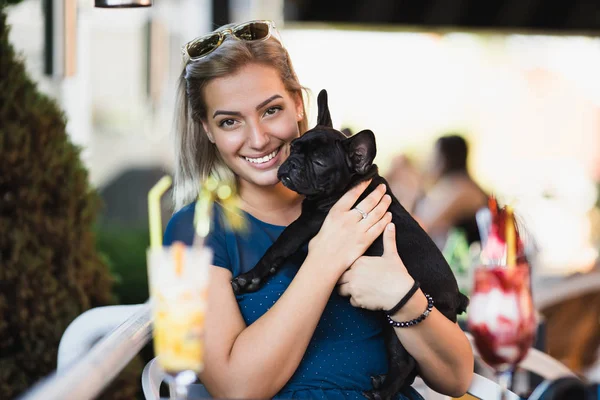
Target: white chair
481, 388
153, 376
566, 289
88, 328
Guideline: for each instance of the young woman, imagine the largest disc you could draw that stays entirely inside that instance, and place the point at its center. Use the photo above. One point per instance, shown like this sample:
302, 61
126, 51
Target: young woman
299, 336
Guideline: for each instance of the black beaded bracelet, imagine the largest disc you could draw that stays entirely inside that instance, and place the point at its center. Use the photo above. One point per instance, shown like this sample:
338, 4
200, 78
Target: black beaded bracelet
404, 300
415, 321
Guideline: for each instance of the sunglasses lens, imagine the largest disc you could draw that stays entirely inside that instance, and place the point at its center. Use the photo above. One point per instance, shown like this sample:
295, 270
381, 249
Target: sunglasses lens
252, 31
203, 46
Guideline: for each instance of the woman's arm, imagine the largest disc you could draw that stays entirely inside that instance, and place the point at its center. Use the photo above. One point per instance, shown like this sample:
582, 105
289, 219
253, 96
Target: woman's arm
439, 346
256, 361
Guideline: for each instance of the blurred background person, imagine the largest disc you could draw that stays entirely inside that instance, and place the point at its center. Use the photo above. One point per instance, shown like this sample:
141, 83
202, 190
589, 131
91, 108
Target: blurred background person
405, 181
452, 197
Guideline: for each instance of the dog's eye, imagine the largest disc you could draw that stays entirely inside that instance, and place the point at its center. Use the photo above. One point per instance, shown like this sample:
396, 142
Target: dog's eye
319, 163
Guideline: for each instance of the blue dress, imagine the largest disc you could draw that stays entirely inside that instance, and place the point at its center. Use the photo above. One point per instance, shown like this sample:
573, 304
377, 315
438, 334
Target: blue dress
347, 347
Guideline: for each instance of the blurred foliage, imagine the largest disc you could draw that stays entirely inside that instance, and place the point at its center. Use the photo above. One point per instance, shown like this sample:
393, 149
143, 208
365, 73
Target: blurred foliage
9, 2
126, 250
50, 269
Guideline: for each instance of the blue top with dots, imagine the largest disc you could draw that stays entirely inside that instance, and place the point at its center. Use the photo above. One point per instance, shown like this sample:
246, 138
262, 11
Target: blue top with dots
347, 347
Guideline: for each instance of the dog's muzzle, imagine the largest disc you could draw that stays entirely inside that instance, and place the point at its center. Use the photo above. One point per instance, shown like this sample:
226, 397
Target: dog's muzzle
286, 180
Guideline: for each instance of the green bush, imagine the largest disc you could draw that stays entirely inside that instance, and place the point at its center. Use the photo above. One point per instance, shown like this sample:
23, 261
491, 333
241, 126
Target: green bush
50, 270
126, 250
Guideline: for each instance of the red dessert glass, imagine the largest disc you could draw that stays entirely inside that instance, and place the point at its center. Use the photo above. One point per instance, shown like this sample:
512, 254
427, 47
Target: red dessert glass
502, 318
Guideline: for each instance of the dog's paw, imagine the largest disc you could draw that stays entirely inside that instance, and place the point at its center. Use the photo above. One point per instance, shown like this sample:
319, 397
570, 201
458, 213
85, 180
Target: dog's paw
238, 284
377, 381
254, 285
372, 395
245, 284
379, 395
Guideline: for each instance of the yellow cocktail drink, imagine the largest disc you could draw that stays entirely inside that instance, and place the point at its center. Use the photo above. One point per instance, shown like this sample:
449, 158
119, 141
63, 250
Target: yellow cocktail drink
178, 277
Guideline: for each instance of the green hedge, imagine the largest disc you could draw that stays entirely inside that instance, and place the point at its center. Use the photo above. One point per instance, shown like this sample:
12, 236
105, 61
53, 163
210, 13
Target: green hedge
50, 269
125, 249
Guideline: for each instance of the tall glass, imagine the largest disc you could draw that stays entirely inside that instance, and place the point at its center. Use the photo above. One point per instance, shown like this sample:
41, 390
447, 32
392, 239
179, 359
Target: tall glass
178, 279
502, 319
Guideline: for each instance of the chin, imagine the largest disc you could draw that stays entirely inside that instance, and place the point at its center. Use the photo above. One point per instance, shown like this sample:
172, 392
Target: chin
266, 179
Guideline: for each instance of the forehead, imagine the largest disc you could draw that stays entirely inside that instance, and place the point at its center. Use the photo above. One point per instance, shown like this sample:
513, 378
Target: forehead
247, 87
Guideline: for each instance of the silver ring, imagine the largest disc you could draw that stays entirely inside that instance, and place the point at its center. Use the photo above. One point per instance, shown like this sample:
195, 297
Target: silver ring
362, 213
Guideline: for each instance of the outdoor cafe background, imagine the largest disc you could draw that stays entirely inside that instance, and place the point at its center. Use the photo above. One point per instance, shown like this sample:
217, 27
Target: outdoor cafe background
529, 105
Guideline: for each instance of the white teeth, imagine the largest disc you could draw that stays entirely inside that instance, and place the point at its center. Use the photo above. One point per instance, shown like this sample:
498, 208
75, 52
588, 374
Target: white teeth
262, 159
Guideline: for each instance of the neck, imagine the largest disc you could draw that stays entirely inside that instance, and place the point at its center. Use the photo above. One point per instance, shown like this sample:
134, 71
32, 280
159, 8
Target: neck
274, 204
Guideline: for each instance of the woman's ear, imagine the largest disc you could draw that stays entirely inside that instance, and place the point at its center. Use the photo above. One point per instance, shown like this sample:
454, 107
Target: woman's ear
208, 134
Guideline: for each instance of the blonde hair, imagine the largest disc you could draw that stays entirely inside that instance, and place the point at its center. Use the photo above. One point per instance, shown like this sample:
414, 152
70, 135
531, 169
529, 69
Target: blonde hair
196, 158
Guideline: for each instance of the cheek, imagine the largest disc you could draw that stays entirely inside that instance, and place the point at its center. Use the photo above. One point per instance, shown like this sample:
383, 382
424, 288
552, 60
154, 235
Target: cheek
228, 145
284, 128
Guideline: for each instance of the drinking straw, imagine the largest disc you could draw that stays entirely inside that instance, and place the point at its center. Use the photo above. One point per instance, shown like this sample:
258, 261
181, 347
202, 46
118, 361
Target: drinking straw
483, 217
211, 191
511, 256
202, 211
154, 196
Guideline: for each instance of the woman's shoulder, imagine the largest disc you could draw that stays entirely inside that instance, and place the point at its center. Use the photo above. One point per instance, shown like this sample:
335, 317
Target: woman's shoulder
181, 224
180, 227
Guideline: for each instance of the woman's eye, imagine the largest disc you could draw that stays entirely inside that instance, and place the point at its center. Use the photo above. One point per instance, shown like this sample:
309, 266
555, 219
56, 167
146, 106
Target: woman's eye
272, 110
226, 123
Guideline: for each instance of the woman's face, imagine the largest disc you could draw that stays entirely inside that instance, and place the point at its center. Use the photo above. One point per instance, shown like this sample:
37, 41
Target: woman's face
252, 119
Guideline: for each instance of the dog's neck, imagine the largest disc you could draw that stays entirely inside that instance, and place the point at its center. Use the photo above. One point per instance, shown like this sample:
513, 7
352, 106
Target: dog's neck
325, 203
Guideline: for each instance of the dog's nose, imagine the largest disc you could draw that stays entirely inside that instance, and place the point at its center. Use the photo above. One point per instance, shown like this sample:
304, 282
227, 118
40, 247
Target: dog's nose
285, 179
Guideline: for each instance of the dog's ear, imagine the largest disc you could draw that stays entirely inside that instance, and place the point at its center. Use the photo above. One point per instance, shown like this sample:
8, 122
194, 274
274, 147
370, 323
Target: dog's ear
361, 150
324, 118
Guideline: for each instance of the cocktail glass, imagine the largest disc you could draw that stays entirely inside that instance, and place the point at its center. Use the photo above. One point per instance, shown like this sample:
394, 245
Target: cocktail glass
502, 318
178, 279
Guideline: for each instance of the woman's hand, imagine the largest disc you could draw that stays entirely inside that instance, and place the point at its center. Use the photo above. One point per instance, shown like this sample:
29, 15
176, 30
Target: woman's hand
345, 234
377, 283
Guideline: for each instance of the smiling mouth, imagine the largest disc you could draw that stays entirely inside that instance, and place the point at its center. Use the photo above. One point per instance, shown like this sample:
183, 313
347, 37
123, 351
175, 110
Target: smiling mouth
264, 159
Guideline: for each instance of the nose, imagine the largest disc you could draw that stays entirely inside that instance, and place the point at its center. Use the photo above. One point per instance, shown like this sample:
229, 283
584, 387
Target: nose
258, 138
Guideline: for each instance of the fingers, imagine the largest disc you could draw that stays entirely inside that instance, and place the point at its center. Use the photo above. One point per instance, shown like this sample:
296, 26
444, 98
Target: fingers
344, 291
354, 303
350, 197
345, 278
389, 241
378, 212
369, 203
379, 227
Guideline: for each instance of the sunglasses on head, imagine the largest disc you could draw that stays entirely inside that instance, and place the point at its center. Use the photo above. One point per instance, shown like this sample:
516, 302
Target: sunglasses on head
248, 31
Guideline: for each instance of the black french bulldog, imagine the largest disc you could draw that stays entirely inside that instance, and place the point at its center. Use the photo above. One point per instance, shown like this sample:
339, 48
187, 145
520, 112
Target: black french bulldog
323, 164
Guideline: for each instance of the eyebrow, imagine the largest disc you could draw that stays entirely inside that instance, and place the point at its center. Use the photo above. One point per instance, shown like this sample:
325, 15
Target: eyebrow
267, 101
258, 107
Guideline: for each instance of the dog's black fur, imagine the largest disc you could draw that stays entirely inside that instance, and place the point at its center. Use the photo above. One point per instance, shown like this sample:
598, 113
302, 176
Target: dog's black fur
323, 164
